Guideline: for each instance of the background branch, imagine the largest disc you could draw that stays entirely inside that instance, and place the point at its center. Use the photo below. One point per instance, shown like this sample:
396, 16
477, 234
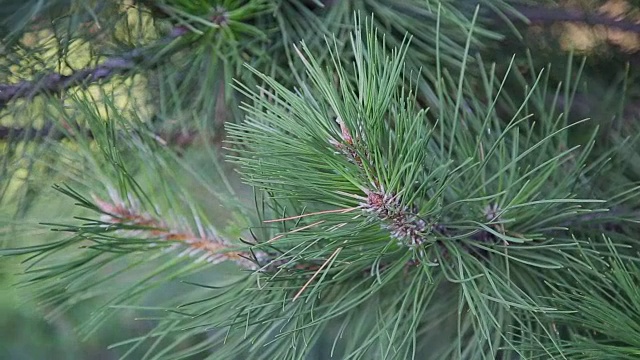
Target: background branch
545, 15
55, 82
180, 139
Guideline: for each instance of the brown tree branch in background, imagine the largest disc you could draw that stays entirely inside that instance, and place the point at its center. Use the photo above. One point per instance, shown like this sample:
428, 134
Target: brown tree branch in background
179, 139
545, 15
56, 83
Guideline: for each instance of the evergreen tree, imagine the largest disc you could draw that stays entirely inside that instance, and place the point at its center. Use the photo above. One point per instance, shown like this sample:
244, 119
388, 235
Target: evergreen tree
365, 179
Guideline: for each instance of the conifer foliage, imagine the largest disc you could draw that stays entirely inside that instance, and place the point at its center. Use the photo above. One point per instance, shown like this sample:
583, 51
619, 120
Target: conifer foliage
398, 196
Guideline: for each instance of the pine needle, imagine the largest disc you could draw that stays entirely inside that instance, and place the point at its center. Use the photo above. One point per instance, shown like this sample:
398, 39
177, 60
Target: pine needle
327, 262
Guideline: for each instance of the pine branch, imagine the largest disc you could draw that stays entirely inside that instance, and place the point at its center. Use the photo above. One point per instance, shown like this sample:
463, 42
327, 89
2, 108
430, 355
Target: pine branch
210, 246
349, 241
56, 82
